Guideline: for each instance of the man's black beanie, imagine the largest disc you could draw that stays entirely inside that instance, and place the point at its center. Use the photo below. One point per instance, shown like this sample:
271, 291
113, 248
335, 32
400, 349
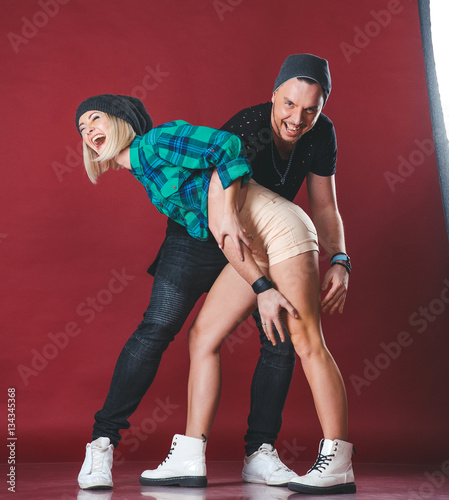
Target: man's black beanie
305, 66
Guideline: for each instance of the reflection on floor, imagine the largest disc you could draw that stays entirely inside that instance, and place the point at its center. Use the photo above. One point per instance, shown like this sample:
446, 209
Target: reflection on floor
374, 482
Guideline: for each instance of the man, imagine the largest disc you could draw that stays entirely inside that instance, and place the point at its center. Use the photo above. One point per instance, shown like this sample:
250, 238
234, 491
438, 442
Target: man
288, 140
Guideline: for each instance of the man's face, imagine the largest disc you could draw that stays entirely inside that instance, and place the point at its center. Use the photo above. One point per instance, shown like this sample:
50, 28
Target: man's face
296, 107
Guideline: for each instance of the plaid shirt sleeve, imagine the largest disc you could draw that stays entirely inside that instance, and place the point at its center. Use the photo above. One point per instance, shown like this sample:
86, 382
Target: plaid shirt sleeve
192, 147
175, 162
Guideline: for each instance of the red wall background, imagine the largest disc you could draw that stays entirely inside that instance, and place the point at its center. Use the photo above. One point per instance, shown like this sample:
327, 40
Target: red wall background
62, 239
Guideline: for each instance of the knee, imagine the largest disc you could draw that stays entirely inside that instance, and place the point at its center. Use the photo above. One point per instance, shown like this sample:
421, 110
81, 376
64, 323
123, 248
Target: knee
153, 335
281, 348
200, 343
308, 346
282, 355
193, 338
144, 348
149, 333
196, 347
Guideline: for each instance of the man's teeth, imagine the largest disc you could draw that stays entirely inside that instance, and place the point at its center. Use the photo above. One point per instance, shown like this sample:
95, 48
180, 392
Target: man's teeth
290, 128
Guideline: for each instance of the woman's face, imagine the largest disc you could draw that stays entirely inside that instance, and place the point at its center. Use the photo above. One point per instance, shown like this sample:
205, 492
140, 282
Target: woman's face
94, 129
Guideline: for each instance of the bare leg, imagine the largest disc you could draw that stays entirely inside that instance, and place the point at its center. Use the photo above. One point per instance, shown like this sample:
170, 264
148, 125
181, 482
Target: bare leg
229, 302
298, 280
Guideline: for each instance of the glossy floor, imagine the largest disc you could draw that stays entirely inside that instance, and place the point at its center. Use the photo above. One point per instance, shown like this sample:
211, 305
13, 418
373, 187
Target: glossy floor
374, 482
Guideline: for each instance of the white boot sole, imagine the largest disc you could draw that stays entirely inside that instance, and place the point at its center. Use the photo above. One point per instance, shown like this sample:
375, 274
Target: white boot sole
186, 481
323, 490
247, 478
95, 486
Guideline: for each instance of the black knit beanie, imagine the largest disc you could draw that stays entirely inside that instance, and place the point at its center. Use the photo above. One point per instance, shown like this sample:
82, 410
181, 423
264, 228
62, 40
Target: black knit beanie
130, 109
305, 66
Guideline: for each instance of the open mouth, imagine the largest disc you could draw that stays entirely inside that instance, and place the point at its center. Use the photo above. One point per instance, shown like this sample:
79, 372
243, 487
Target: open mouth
291, 129
98, 140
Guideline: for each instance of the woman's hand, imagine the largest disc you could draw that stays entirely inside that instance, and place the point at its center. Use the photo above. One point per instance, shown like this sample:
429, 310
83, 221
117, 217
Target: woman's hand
231, 226
270, 303
337, 278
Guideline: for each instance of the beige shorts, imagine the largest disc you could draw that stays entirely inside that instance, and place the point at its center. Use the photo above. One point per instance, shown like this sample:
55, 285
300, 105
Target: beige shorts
278, 228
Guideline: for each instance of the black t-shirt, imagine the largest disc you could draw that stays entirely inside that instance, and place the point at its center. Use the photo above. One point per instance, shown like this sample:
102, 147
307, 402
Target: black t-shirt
315, 152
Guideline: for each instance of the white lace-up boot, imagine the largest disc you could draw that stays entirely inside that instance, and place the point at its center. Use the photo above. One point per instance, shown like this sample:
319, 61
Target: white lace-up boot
95, 473
264, 466
332, 472
185, 465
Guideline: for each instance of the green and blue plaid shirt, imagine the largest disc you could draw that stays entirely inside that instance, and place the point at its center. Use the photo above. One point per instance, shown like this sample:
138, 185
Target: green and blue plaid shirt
175, 161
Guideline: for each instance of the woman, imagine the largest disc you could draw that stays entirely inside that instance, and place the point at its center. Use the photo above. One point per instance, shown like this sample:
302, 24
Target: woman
201, 189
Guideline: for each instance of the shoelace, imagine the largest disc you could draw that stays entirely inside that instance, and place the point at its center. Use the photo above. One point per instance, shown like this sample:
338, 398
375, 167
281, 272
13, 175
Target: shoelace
321, 462
170, 451
275, 457
97, 459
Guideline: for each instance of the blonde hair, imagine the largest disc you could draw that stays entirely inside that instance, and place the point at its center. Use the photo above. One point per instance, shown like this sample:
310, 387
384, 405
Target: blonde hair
121, 135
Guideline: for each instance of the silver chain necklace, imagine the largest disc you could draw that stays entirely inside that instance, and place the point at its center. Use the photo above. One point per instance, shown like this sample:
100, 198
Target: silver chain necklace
282, 177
